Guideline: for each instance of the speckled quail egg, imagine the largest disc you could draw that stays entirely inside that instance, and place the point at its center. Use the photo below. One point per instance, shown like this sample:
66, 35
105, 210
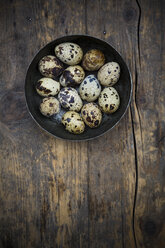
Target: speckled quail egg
109, 74
50, 66
69, 53
72, 76
70, 99
47, 87
73, 122
91, 114
49, 106
90, 88
109, 100
93, 60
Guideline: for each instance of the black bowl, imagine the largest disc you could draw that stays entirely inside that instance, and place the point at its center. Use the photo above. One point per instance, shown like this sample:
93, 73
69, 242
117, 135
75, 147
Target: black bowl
52, 125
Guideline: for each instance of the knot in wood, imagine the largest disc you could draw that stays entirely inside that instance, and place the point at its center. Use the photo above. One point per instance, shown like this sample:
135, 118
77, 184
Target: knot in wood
129, 14
150, 227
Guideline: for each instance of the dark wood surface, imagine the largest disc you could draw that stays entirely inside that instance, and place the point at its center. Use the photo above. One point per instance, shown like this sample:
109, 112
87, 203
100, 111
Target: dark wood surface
109, 192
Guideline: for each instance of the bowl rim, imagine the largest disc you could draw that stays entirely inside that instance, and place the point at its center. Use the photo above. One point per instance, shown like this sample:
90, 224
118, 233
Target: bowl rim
85, 139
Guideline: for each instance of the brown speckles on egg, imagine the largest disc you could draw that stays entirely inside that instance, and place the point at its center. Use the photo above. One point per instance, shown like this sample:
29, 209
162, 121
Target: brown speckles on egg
112, 106
47, 87
112, 100
89, 119
50, 66
96, 122
72, 76
49, 106
73, 122
93, 60
91, 114
109, 74
71, 53
70, 99
90, 88
68, 119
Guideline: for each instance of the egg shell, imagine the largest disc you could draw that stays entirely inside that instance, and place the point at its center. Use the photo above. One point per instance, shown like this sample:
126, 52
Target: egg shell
50, 66
73, 122
90, 88
72, 76
47, 87
109, 100
69, 53
49, 106
70, 99
93, 60
109, 74
91, 115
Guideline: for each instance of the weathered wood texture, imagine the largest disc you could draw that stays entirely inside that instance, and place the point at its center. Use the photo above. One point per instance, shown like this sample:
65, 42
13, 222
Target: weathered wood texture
109, 192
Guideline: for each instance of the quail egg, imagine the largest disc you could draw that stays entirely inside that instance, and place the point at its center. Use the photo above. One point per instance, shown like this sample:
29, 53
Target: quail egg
72, 76
109, 74
93, 60
49, 106
70, 99
73, 122
69, 53
47, 87
90, 88
91, 114
50, 66
109, 100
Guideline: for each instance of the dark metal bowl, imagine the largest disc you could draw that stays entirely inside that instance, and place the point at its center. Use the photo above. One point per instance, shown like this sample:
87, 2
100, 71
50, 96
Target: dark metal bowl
123, 86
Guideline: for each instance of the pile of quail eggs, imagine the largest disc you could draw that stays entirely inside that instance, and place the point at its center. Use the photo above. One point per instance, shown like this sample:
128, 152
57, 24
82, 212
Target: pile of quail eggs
83, 98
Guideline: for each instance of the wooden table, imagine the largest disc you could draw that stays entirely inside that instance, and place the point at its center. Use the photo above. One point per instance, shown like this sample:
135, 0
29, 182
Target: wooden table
108, 192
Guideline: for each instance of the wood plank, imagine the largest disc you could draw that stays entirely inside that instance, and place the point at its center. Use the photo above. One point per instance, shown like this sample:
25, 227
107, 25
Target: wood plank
44, 200
148, 115
112, 159
55, 193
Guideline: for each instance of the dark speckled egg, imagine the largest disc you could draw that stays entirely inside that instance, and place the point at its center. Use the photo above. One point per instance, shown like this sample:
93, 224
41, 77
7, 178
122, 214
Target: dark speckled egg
73, 122
72, 76
91, 115
70, 99
50, 66
69, 53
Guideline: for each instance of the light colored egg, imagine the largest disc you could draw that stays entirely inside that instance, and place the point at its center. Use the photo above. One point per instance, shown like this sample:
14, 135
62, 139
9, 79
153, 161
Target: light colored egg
50, 66
109, 100
47, 87
72, 76
93, 60
91, 114
73, 122
90, 88
49, 106
70, 99
69, 53
109, 74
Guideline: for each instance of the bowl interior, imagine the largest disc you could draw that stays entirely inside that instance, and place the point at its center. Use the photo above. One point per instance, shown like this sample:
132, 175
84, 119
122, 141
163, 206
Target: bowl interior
53, 125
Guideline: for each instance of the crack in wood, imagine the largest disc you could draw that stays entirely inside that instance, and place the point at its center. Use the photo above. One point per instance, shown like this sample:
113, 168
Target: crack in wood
138, 29
136, 105
136, 179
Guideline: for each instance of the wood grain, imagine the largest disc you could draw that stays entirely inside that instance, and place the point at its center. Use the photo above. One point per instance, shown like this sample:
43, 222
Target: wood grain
150, 128
108, 192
